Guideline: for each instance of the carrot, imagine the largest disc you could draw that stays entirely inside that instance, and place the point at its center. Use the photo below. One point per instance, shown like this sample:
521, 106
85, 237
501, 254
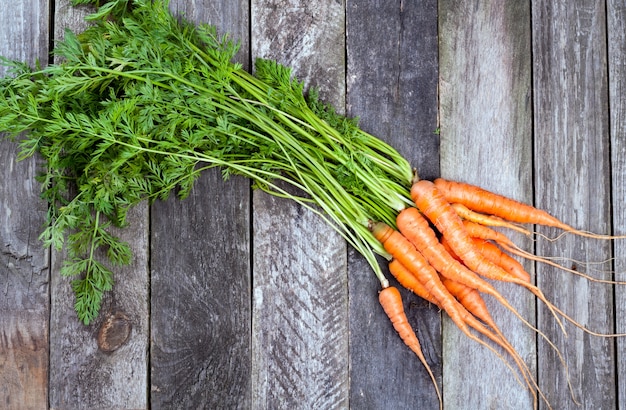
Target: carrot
417, 231
402, 250
495, 255
421, 278
407, 279
478, 231
434, 206
391, 301
481, 200
506, 262
475, 304
489, 220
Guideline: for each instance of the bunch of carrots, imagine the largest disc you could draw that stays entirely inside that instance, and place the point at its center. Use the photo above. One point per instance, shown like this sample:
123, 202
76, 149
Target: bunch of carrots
124, 127
445, 250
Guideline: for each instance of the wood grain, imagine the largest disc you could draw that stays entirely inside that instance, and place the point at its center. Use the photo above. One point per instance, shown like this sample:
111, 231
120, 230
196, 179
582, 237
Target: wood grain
81, 374
392, 88
24, 273
486, 139
616, 29
200, 300
300, 299
307, 36
299, 310
201, 274
572, 160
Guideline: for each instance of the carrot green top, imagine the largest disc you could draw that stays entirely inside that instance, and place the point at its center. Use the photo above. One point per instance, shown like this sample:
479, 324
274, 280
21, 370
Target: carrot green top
142, 102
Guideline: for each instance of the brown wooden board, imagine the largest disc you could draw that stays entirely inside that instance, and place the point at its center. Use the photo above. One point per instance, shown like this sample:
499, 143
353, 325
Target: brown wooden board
486, 139
616, 29
300, 306
24, 273
104, 364
200, 265
392, 88
572, 181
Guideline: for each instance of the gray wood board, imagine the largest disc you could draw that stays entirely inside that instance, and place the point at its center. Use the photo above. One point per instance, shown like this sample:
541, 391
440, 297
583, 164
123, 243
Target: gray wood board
572, 181
300, 305
201, 278
24, 273
616, 20
392, 88
200, 297
486, 139
83, 374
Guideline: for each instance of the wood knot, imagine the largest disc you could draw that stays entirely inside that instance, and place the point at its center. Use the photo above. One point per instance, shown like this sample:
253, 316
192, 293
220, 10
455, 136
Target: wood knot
114, 332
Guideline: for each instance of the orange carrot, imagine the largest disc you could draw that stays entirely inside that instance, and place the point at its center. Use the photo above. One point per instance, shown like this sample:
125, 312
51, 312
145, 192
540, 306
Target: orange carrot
506, 262
402, 250
489, 220
434, 206
478, 231
481, 200
416, 229
421, 278
391, 301
412, 283
407, 279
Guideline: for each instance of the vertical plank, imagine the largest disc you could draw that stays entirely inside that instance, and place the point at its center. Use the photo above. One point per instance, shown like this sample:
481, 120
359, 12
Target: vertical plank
616, 20
24, 274
84, 374
572, 181
392, 87
486, 139
300, 312
200, 258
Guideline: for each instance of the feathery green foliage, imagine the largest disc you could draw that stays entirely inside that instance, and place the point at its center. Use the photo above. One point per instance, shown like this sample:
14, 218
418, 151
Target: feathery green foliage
142, 102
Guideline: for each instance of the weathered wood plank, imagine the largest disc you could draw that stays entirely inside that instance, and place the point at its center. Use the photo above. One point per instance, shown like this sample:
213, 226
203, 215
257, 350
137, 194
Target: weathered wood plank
572, 181
392, 66
200, 259
200, 301
300, 307
24, 273
84, 373
300, 348
486, 139
616, 28
392, 87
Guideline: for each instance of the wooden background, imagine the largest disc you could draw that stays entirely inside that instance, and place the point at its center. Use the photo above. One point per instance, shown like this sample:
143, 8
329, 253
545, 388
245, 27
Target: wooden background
240, 300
